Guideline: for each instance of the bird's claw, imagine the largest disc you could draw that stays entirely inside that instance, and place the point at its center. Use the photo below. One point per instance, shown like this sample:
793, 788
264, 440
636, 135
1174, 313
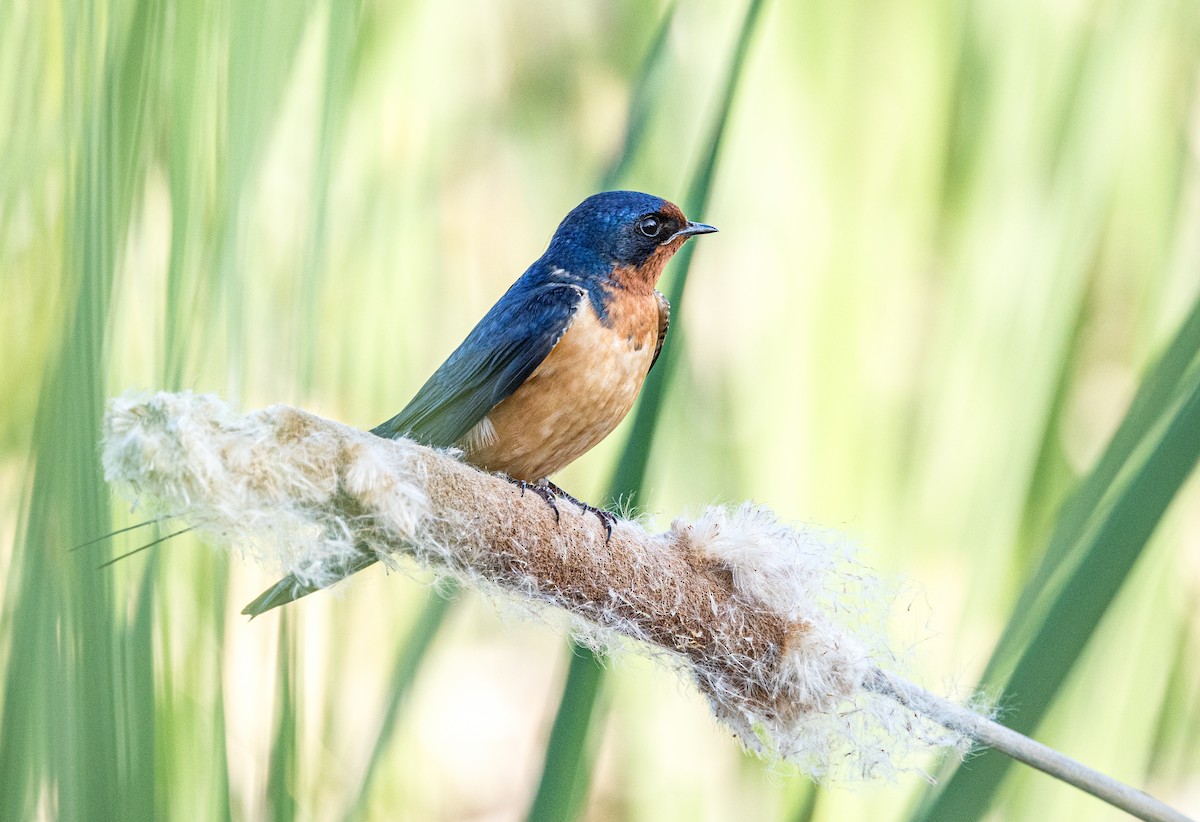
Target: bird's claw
544, 492
607, 518
549, 492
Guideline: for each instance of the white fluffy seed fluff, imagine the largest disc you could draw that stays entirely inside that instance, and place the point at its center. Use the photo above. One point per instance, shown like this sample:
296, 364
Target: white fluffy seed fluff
778, 626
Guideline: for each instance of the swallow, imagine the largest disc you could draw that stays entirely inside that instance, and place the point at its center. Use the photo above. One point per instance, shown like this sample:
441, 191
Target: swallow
557, 362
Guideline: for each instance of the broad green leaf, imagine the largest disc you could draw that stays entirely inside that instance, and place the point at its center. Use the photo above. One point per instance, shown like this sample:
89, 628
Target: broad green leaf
1108, 539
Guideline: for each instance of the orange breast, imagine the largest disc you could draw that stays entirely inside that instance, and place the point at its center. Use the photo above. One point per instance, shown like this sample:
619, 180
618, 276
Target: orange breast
576, 397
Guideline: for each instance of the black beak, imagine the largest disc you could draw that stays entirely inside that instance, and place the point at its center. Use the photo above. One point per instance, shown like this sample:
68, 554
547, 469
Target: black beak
692, 229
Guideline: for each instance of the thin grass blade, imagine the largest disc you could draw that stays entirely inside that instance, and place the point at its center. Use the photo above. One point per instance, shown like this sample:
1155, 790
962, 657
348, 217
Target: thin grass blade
143, 547
140, 708
281, 778
340, 67
404, 673
562, 790
566, 769
119, 531
435, 610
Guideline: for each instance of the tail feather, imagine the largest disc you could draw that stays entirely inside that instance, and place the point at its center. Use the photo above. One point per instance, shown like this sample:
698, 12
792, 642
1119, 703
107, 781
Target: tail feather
290, 589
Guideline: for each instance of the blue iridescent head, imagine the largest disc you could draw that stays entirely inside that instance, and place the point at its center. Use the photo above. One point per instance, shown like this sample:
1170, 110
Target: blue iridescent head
625, 229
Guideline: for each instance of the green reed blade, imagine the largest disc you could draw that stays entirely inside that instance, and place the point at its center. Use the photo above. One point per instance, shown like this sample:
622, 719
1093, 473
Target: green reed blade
63, 730
282, 771
433, 614
1110, 541
1154, 395
404, 673
566, 769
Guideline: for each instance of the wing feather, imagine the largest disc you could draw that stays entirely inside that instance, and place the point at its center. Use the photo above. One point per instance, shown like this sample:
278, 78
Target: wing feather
664, 322
507, 345
499, 354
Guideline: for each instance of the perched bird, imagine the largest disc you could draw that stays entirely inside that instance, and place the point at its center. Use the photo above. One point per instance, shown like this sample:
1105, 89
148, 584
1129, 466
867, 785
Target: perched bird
557, 362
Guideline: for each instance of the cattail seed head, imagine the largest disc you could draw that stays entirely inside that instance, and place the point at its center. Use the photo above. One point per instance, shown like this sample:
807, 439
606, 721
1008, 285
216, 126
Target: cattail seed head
767, 619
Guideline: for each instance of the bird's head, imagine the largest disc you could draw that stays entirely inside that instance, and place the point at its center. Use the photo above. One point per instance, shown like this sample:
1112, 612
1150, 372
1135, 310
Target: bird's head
631, 234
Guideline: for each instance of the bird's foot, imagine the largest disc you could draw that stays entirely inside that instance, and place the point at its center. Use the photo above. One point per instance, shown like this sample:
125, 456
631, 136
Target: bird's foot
607, 518
550, 492
546, 492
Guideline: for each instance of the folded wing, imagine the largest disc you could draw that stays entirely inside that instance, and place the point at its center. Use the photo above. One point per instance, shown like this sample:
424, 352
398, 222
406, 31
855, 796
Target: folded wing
499, 354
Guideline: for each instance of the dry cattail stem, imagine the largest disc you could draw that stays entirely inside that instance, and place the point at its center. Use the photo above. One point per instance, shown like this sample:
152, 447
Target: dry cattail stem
766, 618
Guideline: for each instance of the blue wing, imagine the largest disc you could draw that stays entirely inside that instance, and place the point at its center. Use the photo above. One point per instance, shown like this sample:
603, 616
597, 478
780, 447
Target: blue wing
507, 345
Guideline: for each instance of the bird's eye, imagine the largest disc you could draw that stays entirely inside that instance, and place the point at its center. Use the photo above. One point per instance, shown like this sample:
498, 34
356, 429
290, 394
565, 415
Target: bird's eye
650, 226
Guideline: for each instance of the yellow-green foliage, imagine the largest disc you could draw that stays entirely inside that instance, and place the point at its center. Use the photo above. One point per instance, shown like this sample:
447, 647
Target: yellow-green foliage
954, 237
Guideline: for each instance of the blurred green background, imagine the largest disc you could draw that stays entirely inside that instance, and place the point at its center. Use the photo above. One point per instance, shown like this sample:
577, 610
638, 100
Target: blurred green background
955, 239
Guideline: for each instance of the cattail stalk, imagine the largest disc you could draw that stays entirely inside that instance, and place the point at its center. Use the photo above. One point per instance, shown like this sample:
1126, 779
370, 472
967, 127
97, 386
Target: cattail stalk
984, 731
773, 623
